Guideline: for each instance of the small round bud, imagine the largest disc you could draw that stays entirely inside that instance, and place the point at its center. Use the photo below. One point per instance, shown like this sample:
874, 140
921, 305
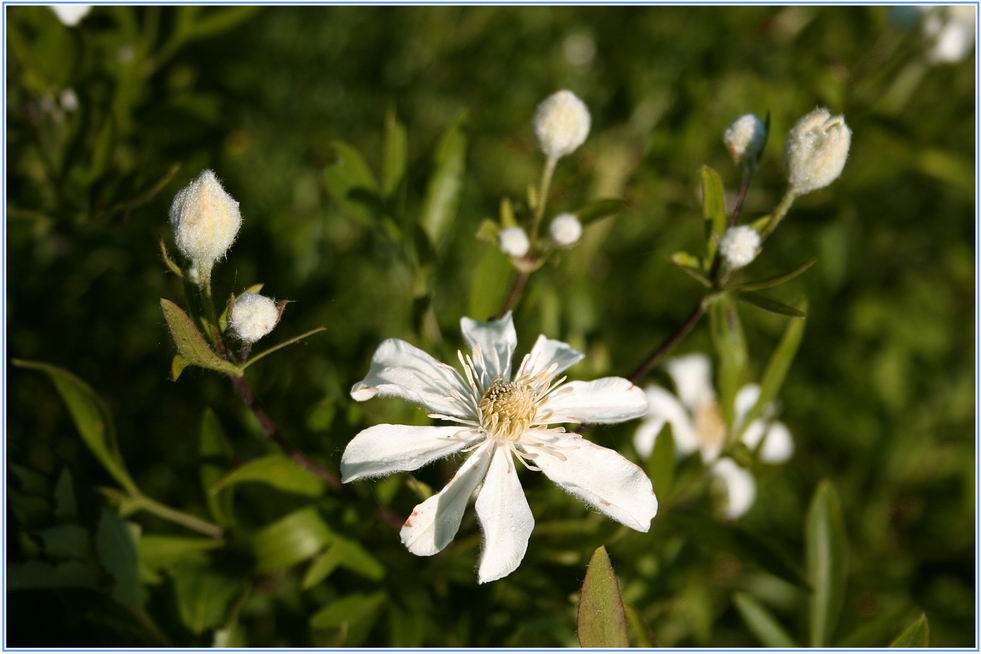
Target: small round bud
514, 242
71, 15
205, 220
739, 246
817, 148
561, 124
745, 138
253, 316
565, 229
949, 32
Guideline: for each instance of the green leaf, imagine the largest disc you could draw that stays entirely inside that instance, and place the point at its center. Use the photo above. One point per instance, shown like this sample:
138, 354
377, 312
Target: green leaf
349, 179
768, 303
763, 625
162, 552
91, 418
177, 365
730, 345
489, 232
826, 552
288, 541
642, 636
347, 610
117, 554
691, 266
173, 267
776, 280
776, 371
191, 344
713, 210
445, 183
356, 558
602, 621
274, 470
34, 575
395, 153
916, 634
506, 214
321, 567
598, 209
662, 463
66, 508
215, 449
203, 596
489, 284
66, 542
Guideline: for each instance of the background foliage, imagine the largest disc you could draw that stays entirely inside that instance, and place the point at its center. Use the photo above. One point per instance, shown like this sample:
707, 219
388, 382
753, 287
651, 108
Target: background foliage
880, 398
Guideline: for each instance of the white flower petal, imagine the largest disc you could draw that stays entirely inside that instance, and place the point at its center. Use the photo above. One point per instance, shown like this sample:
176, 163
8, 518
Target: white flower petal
384, 449
601, 478
738, 486
692, 376
606, 400
399, 369
646, 435
664, 406
492, 344
433, 524
505, 518
547, 352
779, 444
746, 399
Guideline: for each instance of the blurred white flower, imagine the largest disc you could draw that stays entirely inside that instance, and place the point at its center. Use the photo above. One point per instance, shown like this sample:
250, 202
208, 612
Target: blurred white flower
561, 124
949, 32
205, 220
697, 425
499, 418
514, 242
68, 100
745, 138
565, 229
816, 151
253, 316
739, 246
579, 48
70, 15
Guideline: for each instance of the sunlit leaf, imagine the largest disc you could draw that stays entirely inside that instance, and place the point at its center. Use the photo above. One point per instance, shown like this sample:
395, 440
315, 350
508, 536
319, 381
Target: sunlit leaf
203, 596
602, 621
662, 463
347, 610
445, 183
776, 371
191, 344
917, 634
768, 303
713, 210
776, 280
395, 153
763, 625
346, 177
274, 470
826, 551
730, 345
289, 540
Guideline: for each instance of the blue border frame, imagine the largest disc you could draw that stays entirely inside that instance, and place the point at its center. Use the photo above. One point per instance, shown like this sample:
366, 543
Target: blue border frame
477, 3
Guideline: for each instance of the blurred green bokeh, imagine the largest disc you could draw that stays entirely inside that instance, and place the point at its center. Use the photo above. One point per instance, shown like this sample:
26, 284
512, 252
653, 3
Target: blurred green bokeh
108, 119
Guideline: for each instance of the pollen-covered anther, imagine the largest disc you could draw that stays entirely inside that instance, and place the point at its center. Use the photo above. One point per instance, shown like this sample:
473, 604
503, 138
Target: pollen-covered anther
507, 410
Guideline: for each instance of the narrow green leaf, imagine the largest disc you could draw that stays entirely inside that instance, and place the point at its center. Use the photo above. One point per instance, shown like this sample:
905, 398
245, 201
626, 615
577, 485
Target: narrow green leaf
445, 183
396, 149
768, 303
506, 214
349, 180
642, 636
117, 554
489, 232
713, 210
691, 266
356, 558
763, 625
191, 344
173, 267
216, 454
203, 596
730, 344
662, 463
776, 280
489, 284
602, 621
274, 470
321, 567
279, 346
598, 209
66, 508
917, 634
776, 371
91, 418
826, 552
161, 552
347, 610
289, 540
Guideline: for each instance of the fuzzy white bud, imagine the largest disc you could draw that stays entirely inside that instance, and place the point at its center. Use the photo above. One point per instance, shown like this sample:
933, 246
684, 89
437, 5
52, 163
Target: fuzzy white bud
817, 148
514, 242
253, 316
205, 220
739, 246
744, 139
71, 15
565, 229
561, 124
949, 32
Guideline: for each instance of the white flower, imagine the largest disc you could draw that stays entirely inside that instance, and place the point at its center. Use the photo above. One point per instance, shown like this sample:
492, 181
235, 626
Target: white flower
68, 100
950, 33
816, 151
205, 220
499, 418
514, 242
70, 15
697, 424
745, 138
561, 124
739, 246
565, 229
253, 316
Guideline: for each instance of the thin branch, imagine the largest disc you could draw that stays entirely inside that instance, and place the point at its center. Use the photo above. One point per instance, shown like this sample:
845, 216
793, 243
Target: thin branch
518, 283
662, 350
286, 343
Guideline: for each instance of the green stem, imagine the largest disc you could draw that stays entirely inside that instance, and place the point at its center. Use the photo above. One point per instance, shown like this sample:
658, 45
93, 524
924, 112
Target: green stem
547, 173
778, 214
178, 517
280, 346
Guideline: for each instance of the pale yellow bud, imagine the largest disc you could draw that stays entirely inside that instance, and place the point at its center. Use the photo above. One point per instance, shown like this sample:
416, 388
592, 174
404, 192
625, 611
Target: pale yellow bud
817, 148
205, 220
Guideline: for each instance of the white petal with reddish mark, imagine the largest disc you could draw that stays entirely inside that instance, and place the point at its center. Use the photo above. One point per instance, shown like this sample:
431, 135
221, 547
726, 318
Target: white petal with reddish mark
606, 400
434, 523
384, 449
504, 516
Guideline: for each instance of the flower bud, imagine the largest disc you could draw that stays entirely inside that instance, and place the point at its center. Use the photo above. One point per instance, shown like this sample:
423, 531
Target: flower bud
817, 148
205, 220
514, 242
565, 229
745, 138
739, 246
253, 316
561, 124
71, 15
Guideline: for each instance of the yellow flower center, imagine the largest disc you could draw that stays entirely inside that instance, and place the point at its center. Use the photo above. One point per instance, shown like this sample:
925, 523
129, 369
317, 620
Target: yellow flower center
710, 424
507, 409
